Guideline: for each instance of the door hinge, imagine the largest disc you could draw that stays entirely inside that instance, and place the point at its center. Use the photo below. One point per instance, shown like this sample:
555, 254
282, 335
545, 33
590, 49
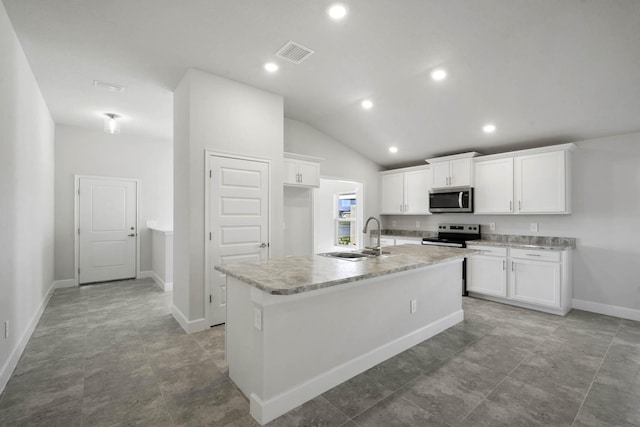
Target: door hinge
210, 174
210, 299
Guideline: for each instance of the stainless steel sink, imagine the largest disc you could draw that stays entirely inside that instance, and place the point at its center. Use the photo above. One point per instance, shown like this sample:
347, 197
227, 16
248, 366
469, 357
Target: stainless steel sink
360, 255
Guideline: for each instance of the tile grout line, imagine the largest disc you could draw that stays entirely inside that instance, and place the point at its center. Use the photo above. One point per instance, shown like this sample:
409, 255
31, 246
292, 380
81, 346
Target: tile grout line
596, 375
507, 376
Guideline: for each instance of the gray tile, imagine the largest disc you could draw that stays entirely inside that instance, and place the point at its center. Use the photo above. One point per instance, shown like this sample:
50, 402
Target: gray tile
357, 394
588, 417
212, 340
621, 368
395, 411
515, 403
61, 414
244, 421
190, 377
501, 354
316, 412
422, 357
606, 402
394, 373
451, 391
118, 376
215, 405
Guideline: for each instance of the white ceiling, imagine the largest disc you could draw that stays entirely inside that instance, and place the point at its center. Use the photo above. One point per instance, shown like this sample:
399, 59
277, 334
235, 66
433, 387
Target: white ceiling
544, 71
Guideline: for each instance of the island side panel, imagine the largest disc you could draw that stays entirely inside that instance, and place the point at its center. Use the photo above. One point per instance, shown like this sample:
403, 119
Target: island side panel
313, 341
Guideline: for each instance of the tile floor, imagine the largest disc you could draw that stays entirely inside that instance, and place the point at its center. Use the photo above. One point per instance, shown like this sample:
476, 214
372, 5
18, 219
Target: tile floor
112, 355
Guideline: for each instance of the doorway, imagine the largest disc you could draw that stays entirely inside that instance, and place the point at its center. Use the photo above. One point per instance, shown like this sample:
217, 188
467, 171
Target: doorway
107, 243
237, 222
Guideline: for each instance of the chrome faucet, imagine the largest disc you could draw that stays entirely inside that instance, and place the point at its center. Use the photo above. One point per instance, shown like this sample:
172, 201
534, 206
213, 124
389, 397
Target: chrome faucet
378, 248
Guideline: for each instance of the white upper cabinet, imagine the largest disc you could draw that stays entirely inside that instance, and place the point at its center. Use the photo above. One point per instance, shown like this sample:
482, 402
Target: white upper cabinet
452, 171
301, 172
405, 191
525, 182
541, 183
493, 192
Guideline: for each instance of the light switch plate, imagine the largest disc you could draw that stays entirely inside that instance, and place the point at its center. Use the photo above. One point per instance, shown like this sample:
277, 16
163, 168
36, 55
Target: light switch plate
492, 226
257, 318
414, 306
533, 227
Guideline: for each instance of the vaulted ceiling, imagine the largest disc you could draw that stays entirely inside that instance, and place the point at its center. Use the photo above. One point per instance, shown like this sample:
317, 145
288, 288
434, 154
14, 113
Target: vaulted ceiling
542, 71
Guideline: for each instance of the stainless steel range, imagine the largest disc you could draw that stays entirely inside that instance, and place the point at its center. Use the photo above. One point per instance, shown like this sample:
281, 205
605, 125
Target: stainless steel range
455, 235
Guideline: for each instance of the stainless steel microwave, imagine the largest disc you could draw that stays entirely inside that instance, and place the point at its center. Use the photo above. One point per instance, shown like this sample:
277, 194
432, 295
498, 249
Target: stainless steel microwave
452, 199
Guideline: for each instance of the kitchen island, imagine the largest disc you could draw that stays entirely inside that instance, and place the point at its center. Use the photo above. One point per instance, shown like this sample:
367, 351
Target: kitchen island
299, 326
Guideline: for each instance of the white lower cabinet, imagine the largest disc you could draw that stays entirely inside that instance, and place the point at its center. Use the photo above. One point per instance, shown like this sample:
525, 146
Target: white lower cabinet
487, 273
393, 241
537, 279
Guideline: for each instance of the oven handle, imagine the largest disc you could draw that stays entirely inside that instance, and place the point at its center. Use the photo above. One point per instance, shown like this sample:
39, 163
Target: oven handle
460, 199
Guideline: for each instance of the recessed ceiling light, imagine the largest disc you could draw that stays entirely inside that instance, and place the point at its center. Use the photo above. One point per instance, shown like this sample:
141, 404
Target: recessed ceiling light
393, 149
367, 104
439, 74
489, 128
271, 67
337, 11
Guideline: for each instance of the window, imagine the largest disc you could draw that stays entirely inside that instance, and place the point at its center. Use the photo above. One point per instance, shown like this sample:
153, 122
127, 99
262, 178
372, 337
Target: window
346, 220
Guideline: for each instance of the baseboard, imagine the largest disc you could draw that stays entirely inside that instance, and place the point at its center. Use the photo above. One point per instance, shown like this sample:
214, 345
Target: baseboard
609, 310
189, 326
68, 283
12, 362
556, 311
165, 286
265, 411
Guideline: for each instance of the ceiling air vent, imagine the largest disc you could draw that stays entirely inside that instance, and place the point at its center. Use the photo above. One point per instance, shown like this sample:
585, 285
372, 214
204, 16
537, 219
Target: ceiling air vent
294, 52
111, 87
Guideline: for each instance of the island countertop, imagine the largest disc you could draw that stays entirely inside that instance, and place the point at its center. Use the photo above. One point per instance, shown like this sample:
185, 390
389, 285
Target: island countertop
292, 275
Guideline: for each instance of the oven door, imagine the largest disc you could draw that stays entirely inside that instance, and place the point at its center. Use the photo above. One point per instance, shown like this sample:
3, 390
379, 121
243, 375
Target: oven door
458, 199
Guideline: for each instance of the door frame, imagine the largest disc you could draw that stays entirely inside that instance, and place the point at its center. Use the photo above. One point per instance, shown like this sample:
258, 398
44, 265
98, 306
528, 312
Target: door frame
76, 221
207, 212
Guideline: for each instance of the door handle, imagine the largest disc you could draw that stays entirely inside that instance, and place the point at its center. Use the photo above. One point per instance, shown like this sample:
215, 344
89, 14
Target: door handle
460, 200
132, 235
263, 245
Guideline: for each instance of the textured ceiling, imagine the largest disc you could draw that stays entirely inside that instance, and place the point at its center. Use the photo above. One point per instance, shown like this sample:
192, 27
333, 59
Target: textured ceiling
543, 71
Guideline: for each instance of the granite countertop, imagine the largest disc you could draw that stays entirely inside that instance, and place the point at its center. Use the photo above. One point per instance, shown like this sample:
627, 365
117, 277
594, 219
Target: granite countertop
526, 242
287, 276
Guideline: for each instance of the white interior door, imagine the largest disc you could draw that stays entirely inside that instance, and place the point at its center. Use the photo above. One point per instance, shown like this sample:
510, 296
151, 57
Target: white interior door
238, 220
107, 222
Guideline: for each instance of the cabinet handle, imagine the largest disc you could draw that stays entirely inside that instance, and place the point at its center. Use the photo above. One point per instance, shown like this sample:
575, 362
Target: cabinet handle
401, 208
512, 268
534, 255
504, 264
300, 174
406, 208
510, 205
519, 205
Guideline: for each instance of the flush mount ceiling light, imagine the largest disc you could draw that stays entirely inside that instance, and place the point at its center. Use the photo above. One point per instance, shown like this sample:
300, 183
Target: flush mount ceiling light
489, 128
111, 123
337, 11
393, 149
439, 74
367, 104
271, 67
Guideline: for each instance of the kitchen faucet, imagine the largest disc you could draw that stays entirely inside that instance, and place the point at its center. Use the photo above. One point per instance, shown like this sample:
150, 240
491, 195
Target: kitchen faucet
378, 248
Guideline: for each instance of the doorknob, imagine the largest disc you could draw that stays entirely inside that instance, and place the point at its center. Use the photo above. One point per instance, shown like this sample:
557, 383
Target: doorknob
263, 245
132, 235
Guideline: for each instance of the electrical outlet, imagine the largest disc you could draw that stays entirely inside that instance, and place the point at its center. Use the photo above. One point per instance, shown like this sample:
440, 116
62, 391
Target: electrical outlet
257, 318
6, 329
492, 226
417, 223
533, 227
414, 306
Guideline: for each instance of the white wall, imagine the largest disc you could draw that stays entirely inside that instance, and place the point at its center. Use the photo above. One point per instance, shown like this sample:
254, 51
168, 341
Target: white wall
217, 114
325, 208
605, 221
26, 197
298, 221
93, 152
341, 162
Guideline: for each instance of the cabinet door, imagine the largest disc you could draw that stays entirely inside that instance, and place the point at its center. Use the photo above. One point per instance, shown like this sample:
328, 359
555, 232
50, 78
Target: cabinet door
391, 193
460, 172
535, 282
416, 191
493, 191
290, 171
309, 173
440, 174
541, 183
487, 275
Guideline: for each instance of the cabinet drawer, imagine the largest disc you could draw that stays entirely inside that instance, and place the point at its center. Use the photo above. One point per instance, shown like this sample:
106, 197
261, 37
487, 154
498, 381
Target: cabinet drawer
489, 250
536, 254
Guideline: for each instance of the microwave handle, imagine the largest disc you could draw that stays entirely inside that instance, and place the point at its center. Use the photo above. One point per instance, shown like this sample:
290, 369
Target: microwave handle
460, 199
